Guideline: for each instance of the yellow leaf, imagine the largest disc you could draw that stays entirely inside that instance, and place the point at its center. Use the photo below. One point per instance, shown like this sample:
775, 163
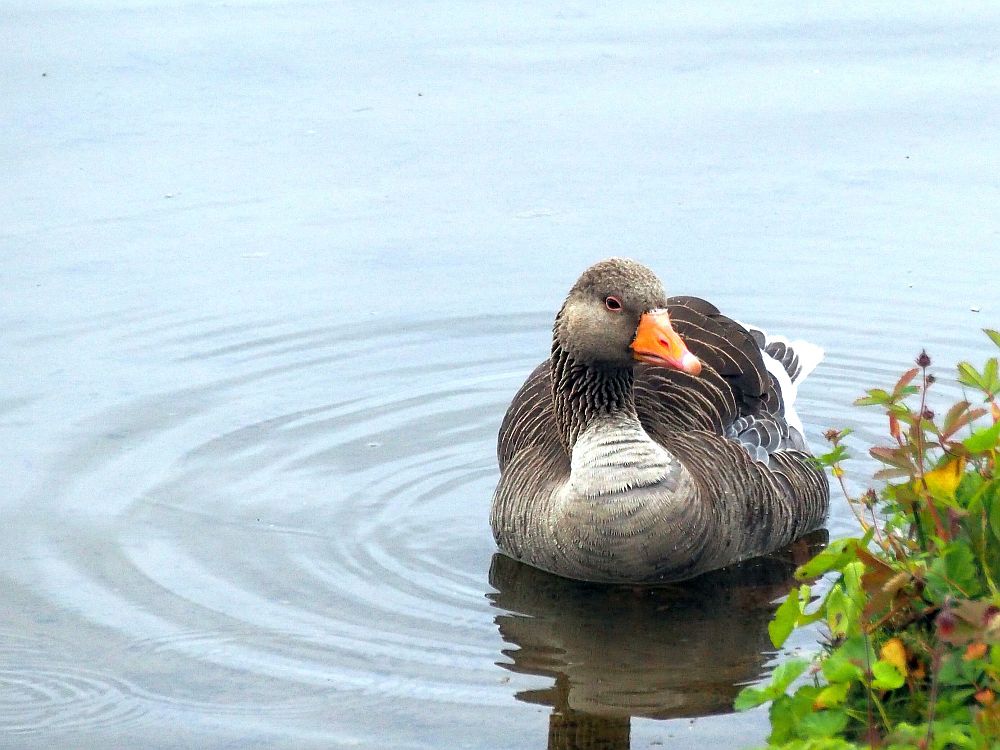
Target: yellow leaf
943, 481
975, 651
831, 695
894, 652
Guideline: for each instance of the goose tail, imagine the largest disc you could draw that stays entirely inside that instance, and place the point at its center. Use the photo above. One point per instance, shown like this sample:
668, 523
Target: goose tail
789, 362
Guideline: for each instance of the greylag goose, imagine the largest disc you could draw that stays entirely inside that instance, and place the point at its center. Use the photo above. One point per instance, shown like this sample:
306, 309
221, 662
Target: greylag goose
657, 442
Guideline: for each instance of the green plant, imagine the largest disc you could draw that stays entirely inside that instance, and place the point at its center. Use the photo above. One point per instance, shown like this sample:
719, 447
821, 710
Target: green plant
910, 655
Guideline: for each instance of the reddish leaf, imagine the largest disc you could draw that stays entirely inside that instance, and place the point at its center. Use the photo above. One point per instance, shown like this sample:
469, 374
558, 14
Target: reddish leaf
954, 413
894, 426
892, 456
904, 381
970, 416
883, 474
881, 581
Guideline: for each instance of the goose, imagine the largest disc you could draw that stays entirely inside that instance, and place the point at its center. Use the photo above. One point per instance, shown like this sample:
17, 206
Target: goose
658, 441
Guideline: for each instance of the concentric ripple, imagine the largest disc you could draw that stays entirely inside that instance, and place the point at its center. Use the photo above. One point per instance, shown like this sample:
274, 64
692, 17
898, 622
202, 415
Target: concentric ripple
38, 692
35, 697
279, 527
295, 516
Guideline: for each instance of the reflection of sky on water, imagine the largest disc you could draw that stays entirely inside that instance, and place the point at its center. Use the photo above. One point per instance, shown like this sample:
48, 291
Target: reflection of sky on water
272, 270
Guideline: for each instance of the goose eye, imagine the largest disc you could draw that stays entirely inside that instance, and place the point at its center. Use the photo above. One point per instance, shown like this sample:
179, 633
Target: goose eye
613, 303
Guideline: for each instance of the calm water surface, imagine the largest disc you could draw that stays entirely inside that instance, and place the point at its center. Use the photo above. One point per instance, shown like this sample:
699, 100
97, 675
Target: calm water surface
272, 271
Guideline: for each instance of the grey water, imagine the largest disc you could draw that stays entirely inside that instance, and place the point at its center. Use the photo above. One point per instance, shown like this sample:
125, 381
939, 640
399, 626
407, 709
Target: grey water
271, 271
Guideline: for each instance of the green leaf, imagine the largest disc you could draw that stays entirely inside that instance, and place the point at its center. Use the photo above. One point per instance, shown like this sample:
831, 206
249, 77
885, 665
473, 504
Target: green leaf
946, 736
838, 454
833, 695
841, 613
984, 439
788, 711
990, 498
786, 673
783, 720
981, 499
994, 335
970, 489
969, 375
785, 618
887, 676
954, 568
875, 397
954, 671
852, 580
990, 379
963, 570
902, 411
836, 605
848, 662
750, 697
782, 676
836, 555
838, 668
822, 723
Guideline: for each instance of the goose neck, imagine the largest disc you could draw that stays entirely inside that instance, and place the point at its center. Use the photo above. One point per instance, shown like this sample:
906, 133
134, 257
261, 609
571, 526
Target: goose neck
583, 392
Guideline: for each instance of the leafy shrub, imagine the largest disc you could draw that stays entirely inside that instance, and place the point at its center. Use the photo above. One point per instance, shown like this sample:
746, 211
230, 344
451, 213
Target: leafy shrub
910, 655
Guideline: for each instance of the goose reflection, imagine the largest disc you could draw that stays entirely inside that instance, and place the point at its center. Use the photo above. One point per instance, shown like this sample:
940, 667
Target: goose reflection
614, 652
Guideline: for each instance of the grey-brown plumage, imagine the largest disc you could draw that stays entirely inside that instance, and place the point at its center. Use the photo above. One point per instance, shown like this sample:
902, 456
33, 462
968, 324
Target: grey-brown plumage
619, 471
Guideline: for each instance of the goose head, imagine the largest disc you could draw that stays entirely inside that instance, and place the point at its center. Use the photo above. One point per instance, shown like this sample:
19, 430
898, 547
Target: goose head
615, 316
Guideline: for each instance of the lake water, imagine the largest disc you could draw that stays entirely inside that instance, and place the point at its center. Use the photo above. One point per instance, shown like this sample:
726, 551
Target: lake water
270, 273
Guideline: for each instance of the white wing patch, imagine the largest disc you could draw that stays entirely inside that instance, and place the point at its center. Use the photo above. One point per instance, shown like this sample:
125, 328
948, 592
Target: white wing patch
808, 355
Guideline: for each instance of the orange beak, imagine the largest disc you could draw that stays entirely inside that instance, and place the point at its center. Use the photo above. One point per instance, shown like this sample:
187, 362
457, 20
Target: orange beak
657, 343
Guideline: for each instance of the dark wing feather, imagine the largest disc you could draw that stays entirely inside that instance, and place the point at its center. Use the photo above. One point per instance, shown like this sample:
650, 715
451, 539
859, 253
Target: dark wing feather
733, 382
725, 346
530, 421
735, 395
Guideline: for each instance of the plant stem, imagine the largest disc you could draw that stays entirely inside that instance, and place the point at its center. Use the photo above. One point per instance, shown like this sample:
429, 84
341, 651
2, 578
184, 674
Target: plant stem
873, 733
839, 473
919, 528
932, 701
921, 471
